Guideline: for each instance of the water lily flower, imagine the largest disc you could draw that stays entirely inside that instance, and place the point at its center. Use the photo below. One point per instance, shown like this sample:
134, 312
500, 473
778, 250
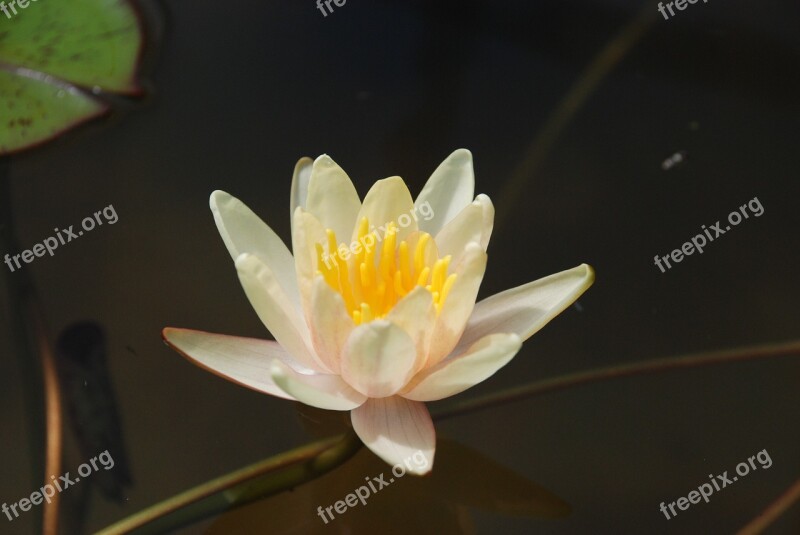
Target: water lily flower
375, 312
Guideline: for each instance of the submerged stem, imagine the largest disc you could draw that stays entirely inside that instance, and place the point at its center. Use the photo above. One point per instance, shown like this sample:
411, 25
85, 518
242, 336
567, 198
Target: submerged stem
271, 476
30, 343
773, 511
613, 372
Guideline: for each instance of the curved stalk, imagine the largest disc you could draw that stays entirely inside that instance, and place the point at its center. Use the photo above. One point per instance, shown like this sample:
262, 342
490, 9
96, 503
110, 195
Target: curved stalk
613, 372
271, 476
591, 77
773, 511
36, 362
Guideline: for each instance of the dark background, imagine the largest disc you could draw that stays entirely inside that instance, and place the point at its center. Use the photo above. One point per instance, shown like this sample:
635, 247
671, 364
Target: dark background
242, 89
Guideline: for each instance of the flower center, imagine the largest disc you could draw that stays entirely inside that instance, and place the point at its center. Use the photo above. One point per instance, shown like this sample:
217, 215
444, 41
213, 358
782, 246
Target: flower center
371, 288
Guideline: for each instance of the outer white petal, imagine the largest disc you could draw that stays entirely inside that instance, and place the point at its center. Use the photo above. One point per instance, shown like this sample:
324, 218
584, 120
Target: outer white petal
330, 323
332, 198
473, 224
386, 202
319, 390
307, 233
244, 361
395, 429
527, 308
244, 232
415, 314
378, 359
450, 188
454, 375
272, 306
300, 179
458, 306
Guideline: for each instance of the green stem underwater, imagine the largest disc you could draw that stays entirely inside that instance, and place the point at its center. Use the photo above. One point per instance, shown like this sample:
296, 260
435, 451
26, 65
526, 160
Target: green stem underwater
271, 476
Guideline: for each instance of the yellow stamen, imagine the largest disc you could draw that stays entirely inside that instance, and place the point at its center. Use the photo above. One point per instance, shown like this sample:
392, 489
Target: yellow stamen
371, 287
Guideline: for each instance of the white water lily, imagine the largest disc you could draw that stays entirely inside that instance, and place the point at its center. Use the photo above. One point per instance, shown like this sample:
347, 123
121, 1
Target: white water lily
376, 330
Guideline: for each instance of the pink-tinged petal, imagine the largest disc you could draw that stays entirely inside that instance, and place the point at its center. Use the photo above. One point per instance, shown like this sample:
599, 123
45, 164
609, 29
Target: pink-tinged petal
244, 232
331, 325
456, 374
300, 179
526, 309
473, 224
323, 391
415, 313
378, 358
332, 198
307, 233
244, 361
458, 305
395, 429
388, 201
450, 188
276, 312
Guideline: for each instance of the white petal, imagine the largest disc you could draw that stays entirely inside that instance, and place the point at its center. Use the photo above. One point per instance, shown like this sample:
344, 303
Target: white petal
396, 429
244, 232
415, 313
272, 306
331, 325
332, 198
473, 224
300, 179
526, 309
307, 233
387, 201
458, 305
244, 361
323, 391
450, 188
454, 375
378, 359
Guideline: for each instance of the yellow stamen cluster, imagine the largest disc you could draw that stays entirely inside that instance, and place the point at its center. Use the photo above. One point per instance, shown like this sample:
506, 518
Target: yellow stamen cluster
369, 289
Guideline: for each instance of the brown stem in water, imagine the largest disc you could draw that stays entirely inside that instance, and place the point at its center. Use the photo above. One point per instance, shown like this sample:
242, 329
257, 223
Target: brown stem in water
773, 511
614, 372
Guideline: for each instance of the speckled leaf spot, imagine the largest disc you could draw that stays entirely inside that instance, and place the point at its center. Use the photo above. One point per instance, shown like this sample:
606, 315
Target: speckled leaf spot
56, 58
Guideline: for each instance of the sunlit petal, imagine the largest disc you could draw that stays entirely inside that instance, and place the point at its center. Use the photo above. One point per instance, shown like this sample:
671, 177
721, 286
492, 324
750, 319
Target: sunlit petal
473, 224
244, 232
459, 304
300, 179
332, 198
270, 303
331, 324
526, 309
323, 391
386, 201
456, 374
450, 188
415, 314
244, 361
378, 359
395, 429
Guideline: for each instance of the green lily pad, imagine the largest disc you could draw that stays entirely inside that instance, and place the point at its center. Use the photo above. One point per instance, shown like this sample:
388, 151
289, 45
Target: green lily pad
56, 59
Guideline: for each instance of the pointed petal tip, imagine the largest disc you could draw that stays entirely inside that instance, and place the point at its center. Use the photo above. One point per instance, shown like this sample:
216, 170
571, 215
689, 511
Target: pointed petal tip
323, 159
461, 153
218, 196
590, 274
